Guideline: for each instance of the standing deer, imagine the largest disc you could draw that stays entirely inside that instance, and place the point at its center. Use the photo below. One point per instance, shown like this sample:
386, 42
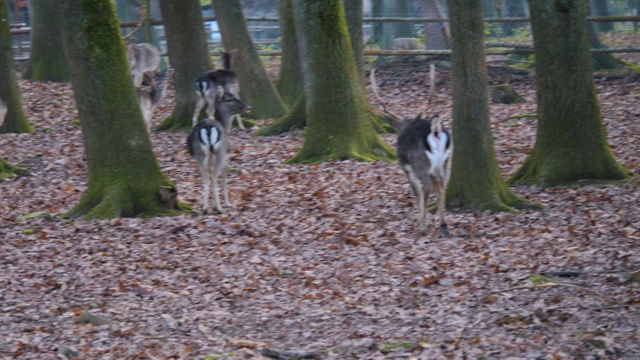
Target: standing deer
149, 98
142, 58
3, 111
206, 86
424, 154
208, 143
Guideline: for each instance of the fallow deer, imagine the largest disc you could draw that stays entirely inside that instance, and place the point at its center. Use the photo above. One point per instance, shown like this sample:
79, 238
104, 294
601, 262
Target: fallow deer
208, 143
424, 154
206, 86
150, 97
142, 58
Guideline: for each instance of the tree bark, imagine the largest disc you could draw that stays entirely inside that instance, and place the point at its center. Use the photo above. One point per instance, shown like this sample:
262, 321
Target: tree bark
46, 62
601, 61
256, 89
15, 120
571, 144
354, 13
392, 30
434, 33
475, 178
124, 177
188, 55
289, 83
340, 122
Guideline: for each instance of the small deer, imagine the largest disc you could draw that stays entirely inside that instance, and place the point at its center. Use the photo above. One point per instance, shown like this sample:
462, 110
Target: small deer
142, 58
208, 143
206, 87
3, 111
404, 44
424, 154
150, 97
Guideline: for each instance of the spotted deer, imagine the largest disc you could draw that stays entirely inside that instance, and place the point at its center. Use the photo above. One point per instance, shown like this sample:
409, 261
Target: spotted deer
424, 153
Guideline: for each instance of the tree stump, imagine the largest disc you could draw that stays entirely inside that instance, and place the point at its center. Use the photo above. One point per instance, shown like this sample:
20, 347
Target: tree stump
504, 94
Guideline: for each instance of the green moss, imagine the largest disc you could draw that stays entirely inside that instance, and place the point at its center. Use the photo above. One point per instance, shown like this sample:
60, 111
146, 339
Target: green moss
8, 170
294, 119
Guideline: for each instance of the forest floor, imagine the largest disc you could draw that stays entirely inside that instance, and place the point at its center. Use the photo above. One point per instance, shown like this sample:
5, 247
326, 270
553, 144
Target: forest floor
322, 259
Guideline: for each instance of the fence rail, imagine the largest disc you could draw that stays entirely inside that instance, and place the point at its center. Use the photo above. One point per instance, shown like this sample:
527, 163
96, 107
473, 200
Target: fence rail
20, 29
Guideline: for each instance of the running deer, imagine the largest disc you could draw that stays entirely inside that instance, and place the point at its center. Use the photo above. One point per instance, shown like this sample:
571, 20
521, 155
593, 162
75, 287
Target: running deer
206, 88
3, 111
150, 97
424, 153
142, 58
208, 143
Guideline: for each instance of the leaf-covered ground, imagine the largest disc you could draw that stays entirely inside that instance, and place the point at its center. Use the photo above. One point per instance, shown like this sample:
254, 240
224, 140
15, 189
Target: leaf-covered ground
320, 259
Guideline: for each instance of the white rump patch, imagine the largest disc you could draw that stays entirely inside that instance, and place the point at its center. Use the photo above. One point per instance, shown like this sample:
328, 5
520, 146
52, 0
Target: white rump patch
439, 152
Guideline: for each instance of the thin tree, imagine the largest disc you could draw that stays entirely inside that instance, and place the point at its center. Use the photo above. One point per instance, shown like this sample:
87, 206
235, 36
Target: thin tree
256, 89
188, 54
571, 142
15, 121
124, 177
340, 122
46, 61
475, 177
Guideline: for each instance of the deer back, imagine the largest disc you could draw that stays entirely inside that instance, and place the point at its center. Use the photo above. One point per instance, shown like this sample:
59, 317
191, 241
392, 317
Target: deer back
143, 57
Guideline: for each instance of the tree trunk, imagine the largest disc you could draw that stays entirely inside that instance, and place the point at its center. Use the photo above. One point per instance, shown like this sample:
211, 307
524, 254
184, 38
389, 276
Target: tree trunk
435, 34
512, 8
256, 89
475, 179
289, 83
600, 8
15, 120
46, 62
601, 61
354, 12
571, 144
124, 177
393, 30
339, 118
188, 55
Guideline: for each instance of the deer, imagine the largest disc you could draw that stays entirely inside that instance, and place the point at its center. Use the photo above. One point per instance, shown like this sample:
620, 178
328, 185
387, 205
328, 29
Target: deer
425, 150
208, 144
150, 97
142, 58
207, 84
3, 111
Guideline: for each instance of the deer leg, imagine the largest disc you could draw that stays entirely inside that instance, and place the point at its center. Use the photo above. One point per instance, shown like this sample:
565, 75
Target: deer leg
196, 112
419, 193
441, 197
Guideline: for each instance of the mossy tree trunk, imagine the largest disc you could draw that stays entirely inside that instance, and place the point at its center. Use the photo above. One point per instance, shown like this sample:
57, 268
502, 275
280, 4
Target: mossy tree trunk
354, 12
188, 55
124, 177
46, 62
340, 122
475, 179
256, 89
571, 144
15, 120
601, 60
289, 83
